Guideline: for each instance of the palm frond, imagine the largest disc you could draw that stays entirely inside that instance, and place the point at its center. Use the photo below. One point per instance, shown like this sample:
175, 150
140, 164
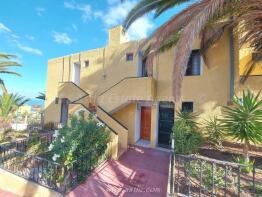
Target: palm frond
41, 96
186, 41
9, 103
6, 56
170, 42
165, 31
167, 4
8, 64
9, 72
2, 86
146, 6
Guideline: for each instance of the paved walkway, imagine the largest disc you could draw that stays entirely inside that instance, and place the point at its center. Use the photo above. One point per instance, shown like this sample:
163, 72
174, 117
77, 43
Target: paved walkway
140, 172
7, 194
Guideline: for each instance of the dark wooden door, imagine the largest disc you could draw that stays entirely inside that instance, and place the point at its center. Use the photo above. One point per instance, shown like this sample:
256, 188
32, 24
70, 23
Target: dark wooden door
64, 111
145, 123
165, 122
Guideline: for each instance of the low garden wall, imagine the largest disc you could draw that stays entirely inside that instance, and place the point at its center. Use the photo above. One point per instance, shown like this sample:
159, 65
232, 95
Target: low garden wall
22, 187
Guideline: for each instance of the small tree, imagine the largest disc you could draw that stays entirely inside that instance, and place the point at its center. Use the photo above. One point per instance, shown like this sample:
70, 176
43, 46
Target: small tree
243, 121
9, 103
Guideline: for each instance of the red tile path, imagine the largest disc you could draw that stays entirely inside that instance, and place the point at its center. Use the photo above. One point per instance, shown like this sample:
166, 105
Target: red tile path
140, 172
7, 194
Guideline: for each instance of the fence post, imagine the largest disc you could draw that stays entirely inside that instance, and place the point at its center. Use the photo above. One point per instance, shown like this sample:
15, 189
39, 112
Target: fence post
171, 171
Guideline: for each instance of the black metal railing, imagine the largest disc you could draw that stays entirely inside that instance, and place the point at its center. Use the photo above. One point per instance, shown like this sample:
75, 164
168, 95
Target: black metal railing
36, 169
195, 175
49, 173
81, 169
22, 145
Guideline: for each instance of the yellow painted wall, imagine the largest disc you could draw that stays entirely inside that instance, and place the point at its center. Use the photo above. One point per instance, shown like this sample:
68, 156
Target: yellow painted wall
126, 116
108, 65
22, 187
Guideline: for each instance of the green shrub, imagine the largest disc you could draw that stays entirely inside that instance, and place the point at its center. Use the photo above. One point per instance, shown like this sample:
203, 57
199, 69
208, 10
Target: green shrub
80, 145
213, 130
35, 146
248, 165
185, 133
207, 180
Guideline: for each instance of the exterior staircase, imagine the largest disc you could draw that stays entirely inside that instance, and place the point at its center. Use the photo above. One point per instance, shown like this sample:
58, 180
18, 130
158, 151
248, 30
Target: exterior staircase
119, 95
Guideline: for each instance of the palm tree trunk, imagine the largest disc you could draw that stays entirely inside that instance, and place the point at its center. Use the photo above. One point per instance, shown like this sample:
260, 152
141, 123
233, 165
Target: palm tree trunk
246, 151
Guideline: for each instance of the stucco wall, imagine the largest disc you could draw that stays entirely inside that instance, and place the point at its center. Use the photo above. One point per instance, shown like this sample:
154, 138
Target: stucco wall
108, 65
23, 187
127, 117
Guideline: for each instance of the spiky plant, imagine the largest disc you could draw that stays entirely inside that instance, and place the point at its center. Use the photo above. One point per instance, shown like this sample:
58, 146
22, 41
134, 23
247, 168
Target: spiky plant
207, 18
41, 96
188, 118
213, 129
9, 103
6, 62
243, 121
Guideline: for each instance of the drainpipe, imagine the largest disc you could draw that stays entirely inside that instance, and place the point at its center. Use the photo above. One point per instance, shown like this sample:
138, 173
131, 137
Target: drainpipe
232, 64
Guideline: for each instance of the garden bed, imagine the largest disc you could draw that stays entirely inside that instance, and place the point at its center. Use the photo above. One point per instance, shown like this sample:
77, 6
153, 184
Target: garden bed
230, 151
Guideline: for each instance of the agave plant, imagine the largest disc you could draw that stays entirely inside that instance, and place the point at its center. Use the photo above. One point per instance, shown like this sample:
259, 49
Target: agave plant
5, 63
188, 118
185, 133
207, 18
213, 128
243, 121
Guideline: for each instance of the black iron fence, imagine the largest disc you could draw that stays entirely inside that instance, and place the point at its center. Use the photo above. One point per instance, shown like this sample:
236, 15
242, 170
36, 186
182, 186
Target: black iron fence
36, 169
23, 145
194, 175
48, 173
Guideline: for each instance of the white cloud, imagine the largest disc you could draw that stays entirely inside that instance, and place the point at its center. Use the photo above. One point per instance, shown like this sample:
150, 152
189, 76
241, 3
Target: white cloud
62, 38
140, 28
4, 28
118, 11
29, 49
74, 27
110, 2
40, 11
98, 14
85, 9
16, 40
30, 37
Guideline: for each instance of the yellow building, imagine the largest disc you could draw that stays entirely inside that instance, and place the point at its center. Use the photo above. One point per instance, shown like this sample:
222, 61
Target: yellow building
113, 82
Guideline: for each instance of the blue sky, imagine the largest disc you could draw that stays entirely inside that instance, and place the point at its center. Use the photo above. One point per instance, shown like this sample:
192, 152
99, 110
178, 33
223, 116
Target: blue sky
36, 31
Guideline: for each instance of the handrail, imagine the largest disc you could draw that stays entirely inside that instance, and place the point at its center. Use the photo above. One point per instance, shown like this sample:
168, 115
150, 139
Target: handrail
112, 117
75, 85
98, 118
118, 83
86, 94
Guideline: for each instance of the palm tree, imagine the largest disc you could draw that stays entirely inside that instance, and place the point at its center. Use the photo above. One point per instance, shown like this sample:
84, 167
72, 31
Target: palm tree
243, 121
203, 18
41, 96
9, 103
5, 63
